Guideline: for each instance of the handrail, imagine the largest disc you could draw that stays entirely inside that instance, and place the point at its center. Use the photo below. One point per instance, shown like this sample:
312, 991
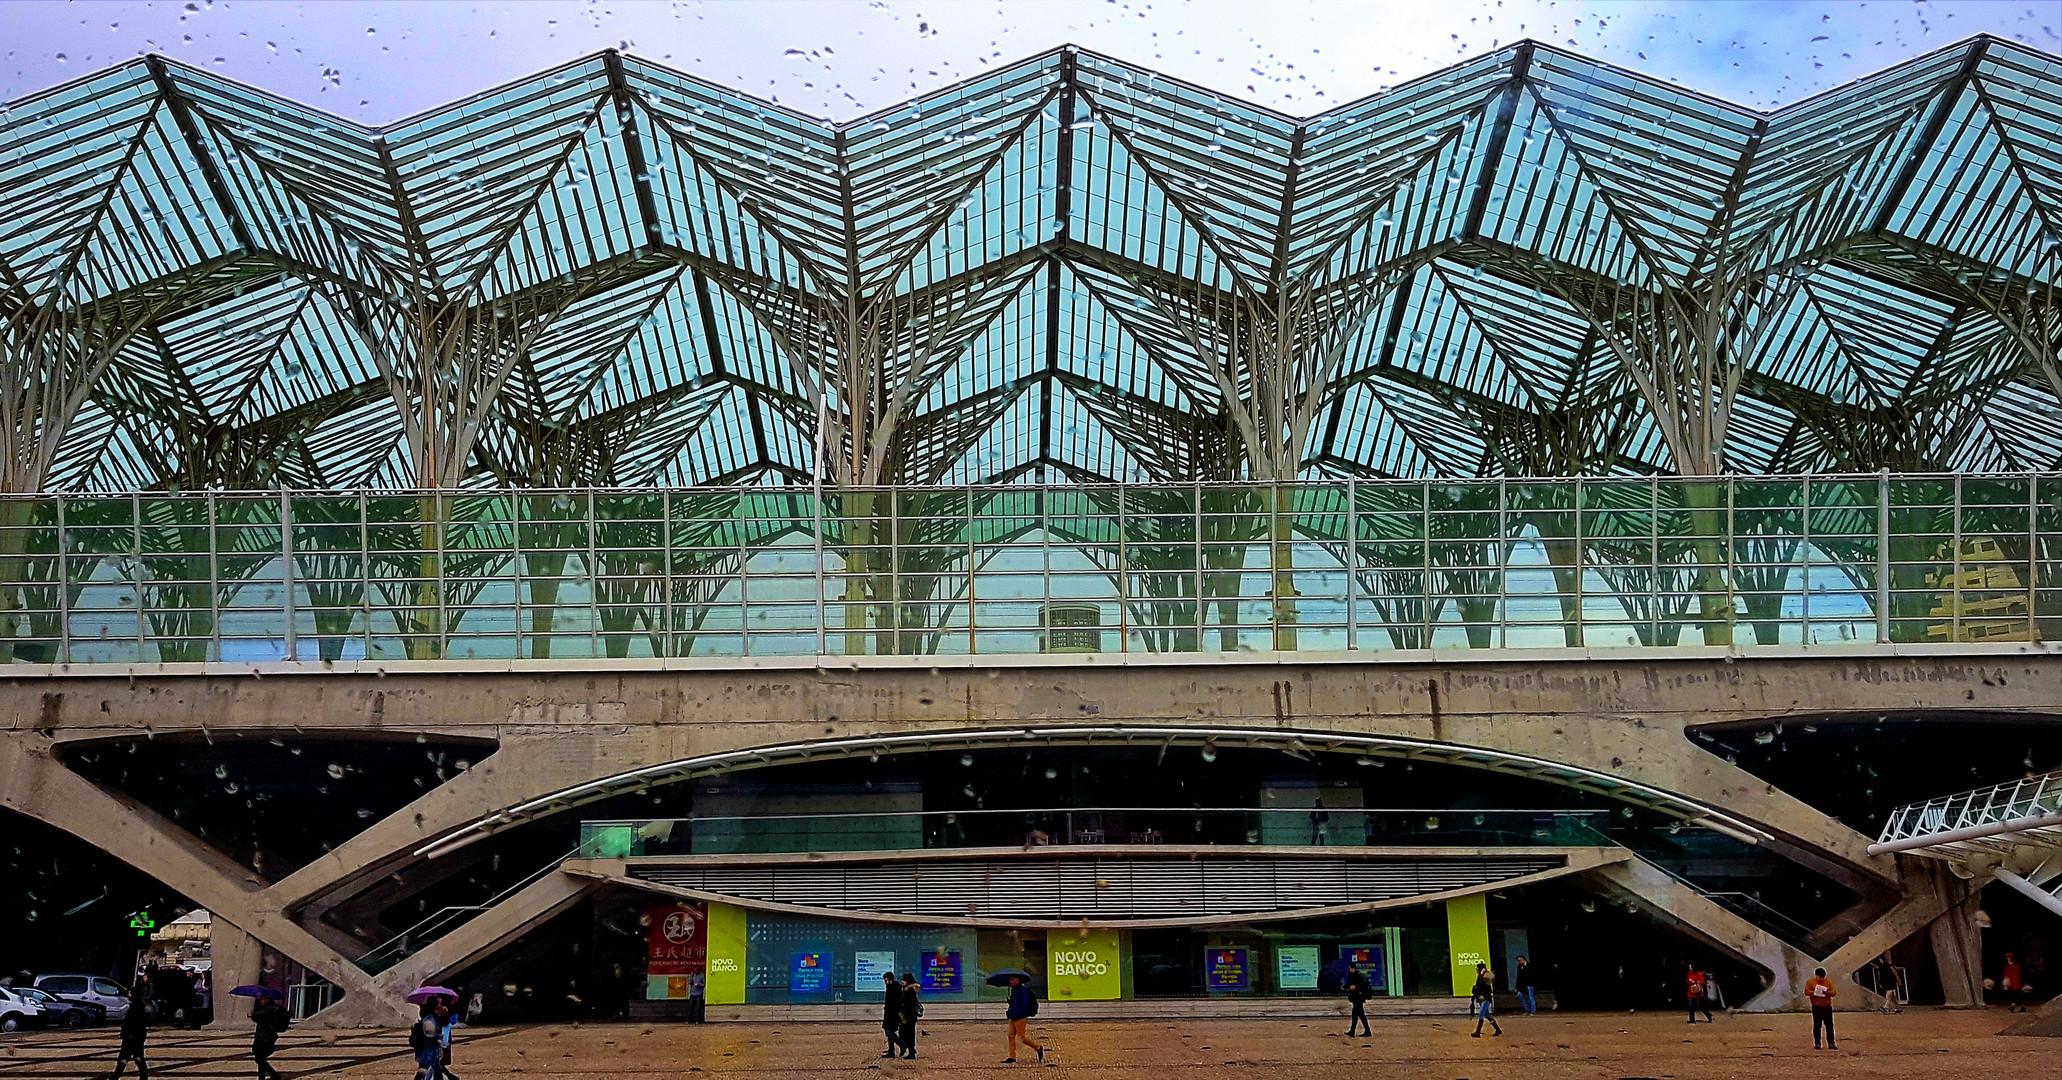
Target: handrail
401, 939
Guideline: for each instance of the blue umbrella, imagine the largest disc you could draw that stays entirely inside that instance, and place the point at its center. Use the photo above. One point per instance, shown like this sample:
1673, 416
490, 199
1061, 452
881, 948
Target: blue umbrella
256, 991
1002, 978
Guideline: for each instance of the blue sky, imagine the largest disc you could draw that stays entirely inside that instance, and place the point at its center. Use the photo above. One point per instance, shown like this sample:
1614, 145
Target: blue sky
378, 61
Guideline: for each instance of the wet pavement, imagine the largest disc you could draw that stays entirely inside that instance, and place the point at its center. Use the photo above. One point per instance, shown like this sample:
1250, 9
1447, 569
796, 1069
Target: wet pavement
1616, 1046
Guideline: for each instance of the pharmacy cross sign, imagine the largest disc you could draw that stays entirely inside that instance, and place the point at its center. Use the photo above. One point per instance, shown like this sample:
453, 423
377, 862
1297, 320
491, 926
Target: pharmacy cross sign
142, 923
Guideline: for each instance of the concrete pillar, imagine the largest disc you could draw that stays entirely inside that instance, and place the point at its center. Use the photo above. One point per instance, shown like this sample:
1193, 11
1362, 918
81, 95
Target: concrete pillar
1956, 941
237, 959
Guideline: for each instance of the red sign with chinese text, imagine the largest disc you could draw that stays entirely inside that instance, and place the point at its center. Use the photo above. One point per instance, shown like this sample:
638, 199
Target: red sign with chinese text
676, 939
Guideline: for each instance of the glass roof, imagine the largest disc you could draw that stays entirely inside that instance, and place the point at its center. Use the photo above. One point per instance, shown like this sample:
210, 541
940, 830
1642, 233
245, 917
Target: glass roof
1027, 274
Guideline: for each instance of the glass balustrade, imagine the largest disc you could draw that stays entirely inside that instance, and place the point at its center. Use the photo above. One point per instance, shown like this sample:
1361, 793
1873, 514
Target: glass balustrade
1073, 827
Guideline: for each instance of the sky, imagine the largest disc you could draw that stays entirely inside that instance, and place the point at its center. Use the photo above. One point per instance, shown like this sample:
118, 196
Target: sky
375, 62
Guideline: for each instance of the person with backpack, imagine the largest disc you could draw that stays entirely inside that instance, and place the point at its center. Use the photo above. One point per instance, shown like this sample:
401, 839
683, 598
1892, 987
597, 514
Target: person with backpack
1023, 1006
1357, 994
911, 1011
426, 1038
1696, 994
271, 1019
1521, 981
1484, 999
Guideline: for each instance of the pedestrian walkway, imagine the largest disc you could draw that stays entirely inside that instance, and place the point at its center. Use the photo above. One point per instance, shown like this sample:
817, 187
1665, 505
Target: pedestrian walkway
209, 1055
1921, 1044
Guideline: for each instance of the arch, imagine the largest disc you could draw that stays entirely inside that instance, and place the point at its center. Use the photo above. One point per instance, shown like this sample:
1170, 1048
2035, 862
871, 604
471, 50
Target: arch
1285, 739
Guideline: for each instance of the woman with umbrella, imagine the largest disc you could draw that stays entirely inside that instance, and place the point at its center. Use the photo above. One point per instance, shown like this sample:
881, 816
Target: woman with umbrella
271, 1018
431, 1035
1022, 1007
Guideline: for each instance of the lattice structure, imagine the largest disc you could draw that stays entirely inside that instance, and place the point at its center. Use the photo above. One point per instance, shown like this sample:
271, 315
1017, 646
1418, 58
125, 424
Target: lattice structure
614, 273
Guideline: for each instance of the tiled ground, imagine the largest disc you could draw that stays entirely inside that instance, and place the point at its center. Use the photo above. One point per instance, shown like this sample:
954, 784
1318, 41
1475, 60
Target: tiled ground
1926, 1044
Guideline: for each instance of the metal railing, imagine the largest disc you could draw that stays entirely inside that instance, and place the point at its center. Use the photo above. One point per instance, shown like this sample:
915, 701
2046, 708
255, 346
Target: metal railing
2032, 802
446, 919
1336, 826
1368, 565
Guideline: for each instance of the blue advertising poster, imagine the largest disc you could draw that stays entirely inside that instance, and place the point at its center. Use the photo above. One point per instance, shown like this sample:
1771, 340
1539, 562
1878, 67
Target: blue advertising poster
1225, 971
1368, 960
940, 972
809, 973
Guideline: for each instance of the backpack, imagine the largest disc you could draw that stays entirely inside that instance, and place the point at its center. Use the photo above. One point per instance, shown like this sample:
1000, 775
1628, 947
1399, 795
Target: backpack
423, 1033
1030, 1003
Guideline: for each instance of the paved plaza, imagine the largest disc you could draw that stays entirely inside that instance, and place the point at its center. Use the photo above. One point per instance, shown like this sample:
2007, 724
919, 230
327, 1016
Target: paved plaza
1919, 1043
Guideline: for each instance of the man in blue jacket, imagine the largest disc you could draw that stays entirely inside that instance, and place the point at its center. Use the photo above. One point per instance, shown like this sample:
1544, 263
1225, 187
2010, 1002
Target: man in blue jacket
1023, 1006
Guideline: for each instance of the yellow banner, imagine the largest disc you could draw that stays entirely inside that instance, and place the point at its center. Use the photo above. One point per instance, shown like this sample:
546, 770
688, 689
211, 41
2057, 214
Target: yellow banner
1083, 965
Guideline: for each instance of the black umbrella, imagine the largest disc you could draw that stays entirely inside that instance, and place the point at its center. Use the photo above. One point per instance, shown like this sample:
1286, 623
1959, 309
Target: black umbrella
1002, 978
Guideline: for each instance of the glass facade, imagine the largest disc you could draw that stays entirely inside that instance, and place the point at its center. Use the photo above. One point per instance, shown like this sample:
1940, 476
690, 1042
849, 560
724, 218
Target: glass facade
1321, 565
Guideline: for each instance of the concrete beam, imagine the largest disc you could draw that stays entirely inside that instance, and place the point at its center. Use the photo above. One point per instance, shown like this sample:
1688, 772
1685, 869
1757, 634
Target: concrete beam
36, 784
1699, 917
469, 943
1621, 714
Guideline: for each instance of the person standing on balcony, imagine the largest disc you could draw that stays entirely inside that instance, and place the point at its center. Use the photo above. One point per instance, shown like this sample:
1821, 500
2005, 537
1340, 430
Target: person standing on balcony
1818, 990
891, 1011
1318, 819
1521, 983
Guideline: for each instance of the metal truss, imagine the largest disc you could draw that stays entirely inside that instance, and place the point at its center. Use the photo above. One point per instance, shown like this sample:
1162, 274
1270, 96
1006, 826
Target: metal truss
612, 273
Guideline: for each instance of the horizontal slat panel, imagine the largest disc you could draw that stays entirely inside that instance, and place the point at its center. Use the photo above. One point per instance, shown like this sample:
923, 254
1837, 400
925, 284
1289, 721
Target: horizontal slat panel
1097, 888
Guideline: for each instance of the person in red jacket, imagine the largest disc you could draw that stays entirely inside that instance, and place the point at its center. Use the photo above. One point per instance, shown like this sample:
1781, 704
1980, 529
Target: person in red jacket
1819, 991
2013, 984
1696, 995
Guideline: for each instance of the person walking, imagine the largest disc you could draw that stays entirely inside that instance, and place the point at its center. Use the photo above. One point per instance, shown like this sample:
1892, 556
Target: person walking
1893, 989
426, 1039
271, 1020
445, 1022
2012, 983
1696, 992
1357, 994
1819, 991
135, 1028
1521, 982
697, 998
1022, 1007
1484, 999
912, 1010
891, 1012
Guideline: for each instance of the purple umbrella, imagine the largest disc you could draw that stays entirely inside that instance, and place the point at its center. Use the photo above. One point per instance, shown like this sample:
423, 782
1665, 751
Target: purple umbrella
254, 990
424, 993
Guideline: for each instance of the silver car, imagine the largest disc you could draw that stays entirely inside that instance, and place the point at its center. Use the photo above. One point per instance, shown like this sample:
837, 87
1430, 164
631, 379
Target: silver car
88, 990
18, 1013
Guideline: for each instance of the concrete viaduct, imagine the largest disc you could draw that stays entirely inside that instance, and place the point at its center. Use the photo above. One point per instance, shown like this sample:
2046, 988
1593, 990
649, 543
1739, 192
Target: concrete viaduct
1617, 721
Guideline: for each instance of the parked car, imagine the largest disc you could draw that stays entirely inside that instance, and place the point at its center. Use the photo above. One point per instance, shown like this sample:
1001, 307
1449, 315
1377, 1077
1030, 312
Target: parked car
110, 995
17, 1012
58, 1012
